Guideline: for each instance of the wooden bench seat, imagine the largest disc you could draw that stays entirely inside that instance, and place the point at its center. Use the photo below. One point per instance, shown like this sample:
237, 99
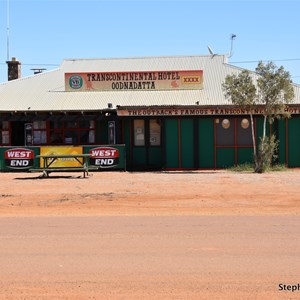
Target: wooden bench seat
46, 171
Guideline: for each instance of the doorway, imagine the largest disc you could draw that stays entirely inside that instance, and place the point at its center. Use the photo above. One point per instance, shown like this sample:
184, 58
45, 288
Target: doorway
17, 134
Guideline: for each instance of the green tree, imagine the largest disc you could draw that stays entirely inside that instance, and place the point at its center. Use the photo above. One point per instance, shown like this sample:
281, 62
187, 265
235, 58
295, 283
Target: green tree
241, 90
273, 91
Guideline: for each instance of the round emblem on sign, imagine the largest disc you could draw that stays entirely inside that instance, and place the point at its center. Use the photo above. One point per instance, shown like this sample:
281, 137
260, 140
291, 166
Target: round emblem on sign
245, 123
225, 123
75, 82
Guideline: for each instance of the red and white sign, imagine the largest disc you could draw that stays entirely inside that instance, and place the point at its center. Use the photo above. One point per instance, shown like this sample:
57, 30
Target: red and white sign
19, 158
104, 157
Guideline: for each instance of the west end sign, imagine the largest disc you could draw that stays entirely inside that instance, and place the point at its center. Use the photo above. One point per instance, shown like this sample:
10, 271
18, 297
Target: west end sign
120, 81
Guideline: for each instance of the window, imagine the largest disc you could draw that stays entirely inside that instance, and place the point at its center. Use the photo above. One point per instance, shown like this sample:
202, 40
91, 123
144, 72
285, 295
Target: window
233, 132
91, 136
39, 132
225, 132
56, 137
155, 132
147, 132
139, 132
244, 135
4, 133
72, 132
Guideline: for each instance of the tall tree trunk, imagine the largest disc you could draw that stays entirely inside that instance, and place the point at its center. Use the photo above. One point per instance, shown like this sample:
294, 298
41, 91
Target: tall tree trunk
253, 141
259, 164
265, 125
260, 159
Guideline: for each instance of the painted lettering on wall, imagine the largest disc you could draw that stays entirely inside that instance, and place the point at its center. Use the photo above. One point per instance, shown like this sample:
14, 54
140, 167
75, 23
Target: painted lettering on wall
195, 111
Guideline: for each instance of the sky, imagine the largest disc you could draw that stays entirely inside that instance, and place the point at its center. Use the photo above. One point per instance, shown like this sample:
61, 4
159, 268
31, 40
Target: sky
42, 33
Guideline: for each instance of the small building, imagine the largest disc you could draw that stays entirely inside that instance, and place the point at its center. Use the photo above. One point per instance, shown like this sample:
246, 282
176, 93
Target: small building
169, 112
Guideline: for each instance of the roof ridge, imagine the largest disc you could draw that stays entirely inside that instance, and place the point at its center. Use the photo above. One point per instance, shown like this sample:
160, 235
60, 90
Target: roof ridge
143, 57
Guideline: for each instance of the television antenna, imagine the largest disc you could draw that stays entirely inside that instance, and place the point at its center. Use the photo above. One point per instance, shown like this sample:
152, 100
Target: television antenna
211, 52
38, 70
232, 37
7, 29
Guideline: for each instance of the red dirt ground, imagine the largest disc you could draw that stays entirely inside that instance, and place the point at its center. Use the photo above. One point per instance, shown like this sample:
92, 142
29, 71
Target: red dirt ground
156, 193
216, 196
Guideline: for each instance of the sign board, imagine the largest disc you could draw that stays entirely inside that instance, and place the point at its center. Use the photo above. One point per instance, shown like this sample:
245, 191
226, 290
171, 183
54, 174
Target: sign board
186, 111
146, 80
28, 134
104, 157
18, 158
111, 132
61, 162
107, 157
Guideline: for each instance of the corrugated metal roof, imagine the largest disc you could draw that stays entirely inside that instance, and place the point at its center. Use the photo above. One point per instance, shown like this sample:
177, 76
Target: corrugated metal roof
46, 91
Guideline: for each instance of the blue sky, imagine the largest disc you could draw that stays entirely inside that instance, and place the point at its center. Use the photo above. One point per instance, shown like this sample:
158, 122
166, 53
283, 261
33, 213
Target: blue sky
44, 32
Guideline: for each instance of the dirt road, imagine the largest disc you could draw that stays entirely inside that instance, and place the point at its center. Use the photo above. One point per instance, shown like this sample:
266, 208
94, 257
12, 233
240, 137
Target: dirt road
193, 235
172, 257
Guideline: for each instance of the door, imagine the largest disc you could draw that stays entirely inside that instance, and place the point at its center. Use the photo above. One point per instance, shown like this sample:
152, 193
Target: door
18, 133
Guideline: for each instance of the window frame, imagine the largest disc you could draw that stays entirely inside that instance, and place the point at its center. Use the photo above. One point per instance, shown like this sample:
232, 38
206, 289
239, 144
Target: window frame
63, 128
146, 132
7, 131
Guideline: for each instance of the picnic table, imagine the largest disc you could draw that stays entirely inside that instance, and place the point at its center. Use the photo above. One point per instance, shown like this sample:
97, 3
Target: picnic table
48, 160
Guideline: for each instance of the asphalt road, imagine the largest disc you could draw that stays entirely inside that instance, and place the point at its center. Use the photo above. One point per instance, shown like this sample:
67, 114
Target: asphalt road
174, 257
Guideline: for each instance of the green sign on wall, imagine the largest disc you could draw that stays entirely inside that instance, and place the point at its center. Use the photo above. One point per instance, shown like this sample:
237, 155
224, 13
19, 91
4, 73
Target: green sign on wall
17, 158
13, 159
107, 156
